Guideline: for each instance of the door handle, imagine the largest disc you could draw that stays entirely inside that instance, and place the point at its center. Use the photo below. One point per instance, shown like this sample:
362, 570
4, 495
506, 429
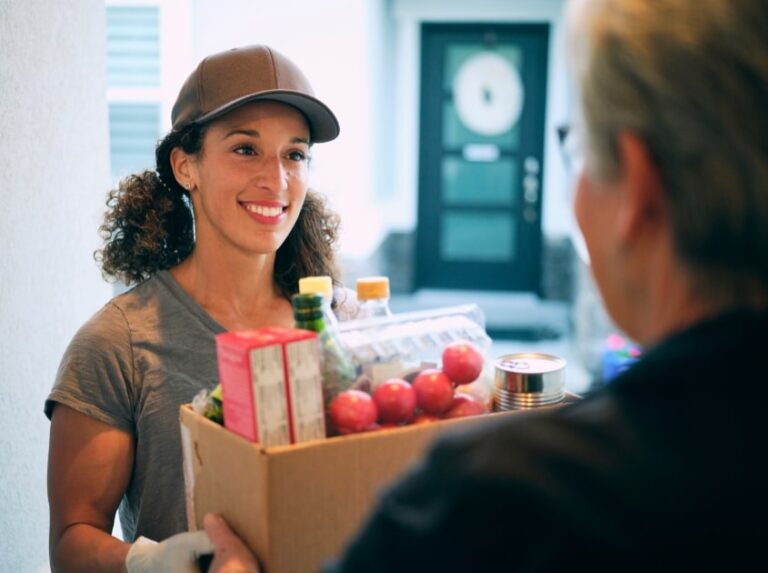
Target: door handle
530, 188
531, 165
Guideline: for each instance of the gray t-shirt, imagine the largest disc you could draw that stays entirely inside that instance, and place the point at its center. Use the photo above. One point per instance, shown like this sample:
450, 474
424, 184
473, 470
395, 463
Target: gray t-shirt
132, 365
139, 358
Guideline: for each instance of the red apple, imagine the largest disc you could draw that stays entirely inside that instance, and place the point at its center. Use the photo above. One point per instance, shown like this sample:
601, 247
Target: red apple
384, 426
434, 391
462, 361
424, 418
353, 411
480, 390
464, 405
395, 400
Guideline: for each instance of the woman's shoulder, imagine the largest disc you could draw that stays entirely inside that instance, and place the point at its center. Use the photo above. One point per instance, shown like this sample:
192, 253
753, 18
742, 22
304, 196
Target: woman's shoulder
128, 298
114, 319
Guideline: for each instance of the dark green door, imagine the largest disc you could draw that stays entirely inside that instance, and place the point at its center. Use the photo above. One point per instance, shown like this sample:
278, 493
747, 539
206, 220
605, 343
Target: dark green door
483, 91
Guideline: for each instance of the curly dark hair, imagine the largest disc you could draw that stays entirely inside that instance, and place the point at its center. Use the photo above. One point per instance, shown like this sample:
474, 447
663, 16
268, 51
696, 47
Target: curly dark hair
149, 225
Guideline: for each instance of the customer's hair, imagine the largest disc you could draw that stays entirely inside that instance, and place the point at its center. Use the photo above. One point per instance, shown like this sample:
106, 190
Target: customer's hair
149, 225
691, 79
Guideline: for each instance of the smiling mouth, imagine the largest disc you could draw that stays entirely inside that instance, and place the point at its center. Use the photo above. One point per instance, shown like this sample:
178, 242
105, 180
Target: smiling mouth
264, 211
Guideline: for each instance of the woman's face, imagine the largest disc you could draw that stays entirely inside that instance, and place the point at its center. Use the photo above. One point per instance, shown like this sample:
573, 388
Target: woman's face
250, 180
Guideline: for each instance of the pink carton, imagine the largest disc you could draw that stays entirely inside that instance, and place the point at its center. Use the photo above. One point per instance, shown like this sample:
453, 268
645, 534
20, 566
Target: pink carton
272, 385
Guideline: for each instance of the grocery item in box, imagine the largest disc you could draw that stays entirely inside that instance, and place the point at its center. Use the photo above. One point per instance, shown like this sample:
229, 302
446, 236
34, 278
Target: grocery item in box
338, 372
403, 344
272, 385
297, 506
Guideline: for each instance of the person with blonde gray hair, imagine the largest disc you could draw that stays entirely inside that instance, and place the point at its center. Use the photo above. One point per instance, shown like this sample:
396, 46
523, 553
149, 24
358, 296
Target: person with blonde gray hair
659, 470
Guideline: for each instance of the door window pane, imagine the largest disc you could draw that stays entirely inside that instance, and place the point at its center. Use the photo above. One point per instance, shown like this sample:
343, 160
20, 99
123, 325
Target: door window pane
456, 133
474, 236
457, 54
480, 92
479, 182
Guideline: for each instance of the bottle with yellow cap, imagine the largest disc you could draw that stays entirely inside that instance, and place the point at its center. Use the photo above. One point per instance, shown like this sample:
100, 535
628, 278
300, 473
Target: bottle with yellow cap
339, 372
373, 297
321, 285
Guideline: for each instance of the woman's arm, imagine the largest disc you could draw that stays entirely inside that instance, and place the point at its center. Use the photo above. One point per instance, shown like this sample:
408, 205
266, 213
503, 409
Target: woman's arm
89, 466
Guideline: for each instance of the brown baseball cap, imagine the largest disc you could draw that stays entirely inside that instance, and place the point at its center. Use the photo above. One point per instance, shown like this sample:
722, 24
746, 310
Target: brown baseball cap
224, 81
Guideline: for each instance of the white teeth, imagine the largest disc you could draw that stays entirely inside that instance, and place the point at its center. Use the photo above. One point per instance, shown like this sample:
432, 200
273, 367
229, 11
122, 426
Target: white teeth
264, 211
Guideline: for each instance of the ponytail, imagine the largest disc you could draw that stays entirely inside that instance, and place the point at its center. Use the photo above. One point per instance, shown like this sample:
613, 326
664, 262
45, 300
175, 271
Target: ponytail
149, 225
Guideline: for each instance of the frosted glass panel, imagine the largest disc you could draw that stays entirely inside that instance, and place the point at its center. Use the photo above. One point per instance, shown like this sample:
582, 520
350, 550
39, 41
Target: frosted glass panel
477, 236
479, 183
457, 54
456, 134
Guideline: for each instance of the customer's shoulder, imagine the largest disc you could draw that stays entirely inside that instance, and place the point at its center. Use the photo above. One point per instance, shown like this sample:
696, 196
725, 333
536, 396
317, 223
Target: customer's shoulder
546, 431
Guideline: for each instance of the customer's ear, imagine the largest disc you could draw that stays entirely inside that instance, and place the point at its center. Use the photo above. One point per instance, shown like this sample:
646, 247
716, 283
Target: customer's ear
644, 209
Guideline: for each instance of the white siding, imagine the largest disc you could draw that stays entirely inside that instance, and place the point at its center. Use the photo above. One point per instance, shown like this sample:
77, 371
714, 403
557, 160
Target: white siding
53, 174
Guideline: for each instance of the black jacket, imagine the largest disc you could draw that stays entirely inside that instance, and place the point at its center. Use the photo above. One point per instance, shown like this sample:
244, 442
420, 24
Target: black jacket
663, 468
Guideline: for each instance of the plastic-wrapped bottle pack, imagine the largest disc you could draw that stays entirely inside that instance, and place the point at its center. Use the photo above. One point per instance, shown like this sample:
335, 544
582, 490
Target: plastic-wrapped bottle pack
403, 344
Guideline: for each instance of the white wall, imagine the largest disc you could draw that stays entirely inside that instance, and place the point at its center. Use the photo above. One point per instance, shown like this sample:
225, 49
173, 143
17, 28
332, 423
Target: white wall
53, 177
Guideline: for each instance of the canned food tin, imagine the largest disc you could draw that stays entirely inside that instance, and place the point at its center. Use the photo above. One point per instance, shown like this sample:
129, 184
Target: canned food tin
527, 380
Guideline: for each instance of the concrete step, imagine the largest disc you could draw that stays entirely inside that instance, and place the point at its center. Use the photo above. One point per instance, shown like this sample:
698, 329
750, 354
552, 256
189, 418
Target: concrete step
516, 322
508, 315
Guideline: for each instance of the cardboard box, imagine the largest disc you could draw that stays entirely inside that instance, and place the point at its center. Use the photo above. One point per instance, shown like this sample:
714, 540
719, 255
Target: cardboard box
272, 383
296, 506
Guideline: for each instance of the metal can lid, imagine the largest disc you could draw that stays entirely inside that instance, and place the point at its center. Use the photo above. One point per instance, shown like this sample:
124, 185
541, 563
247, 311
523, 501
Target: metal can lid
530, 362
525, 372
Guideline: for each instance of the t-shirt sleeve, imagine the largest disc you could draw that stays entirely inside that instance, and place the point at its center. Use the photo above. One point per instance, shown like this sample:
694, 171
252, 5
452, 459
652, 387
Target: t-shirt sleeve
95, 376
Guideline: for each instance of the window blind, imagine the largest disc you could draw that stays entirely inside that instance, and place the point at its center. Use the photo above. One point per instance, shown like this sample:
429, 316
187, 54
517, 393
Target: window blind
133, 134
133, 46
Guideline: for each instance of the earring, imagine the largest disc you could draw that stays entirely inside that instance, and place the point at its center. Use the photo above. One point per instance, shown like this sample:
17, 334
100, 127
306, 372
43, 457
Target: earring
188, 185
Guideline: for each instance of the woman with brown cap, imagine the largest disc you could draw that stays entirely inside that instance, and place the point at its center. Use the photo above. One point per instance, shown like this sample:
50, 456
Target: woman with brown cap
215, 239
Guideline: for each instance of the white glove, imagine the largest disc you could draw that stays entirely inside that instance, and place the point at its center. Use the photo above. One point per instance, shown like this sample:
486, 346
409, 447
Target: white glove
177, 554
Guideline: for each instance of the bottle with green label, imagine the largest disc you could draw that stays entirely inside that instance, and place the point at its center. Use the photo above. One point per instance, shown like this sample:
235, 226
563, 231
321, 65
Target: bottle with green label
324, 286
339, 373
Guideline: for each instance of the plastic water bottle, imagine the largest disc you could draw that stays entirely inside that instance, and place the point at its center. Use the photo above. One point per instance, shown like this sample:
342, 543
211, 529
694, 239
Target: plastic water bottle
339, 372
373, 297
